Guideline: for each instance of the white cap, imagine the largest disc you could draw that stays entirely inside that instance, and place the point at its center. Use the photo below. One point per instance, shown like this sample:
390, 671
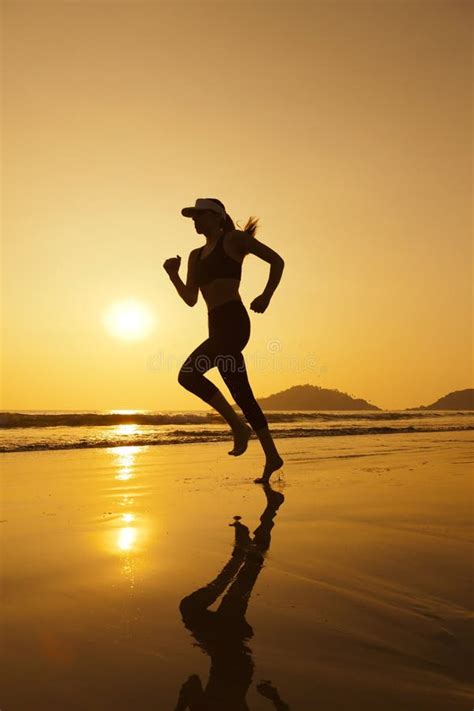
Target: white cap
203, 204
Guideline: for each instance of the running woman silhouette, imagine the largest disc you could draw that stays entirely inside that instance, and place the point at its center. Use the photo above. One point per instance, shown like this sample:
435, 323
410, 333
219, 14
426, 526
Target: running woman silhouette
215, 270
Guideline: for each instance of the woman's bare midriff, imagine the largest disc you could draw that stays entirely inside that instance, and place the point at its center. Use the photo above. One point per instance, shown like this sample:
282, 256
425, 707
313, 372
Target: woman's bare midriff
218, 291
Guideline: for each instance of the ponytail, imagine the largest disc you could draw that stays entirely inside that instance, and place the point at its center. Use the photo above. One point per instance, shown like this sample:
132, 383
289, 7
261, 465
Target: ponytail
251, 226
228, 224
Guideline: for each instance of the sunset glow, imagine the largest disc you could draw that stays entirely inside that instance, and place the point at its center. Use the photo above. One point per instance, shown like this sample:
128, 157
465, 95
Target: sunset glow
129, 320
354, 153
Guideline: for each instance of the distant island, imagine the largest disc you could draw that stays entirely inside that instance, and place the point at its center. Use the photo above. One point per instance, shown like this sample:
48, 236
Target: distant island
312, 397
457, 400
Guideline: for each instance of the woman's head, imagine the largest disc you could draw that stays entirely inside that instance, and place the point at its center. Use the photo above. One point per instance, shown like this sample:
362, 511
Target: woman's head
205, 216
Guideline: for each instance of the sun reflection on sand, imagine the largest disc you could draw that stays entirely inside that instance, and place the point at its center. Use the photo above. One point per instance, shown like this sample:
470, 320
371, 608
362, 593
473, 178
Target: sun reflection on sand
125, 457
124, 476
126, 538
127, 531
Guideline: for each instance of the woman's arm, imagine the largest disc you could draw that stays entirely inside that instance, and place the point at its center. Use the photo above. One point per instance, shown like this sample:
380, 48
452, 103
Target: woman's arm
188, 292
276, 270
251, 245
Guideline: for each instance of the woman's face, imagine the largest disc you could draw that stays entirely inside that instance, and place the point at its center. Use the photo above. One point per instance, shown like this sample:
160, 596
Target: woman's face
206, 220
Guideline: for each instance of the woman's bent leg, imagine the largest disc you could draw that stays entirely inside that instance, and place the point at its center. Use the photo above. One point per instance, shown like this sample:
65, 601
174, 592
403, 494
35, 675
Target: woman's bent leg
191, 377
191, 373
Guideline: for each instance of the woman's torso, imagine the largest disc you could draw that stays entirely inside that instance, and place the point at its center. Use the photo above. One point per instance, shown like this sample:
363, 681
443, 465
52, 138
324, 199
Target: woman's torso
224, 257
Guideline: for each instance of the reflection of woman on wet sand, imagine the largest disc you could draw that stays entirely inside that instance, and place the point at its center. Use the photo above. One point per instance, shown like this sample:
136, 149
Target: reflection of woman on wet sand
215, 269
222, 634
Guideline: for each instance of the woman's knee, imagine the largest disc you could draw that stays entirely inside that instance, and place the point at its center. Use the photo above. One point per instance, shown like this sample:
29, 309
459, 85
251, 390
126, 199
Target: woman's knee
193, 369
185, 378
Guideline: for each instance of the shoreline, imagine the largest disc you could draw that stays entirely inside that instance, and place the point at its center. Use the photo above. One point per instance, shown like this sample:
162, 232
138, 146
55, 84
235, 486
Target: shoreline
226, 436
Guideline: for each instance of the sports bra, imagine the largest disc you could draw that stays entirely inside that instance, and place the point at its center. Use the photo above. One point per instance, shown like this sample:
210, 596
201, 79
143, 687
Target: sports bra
216, 265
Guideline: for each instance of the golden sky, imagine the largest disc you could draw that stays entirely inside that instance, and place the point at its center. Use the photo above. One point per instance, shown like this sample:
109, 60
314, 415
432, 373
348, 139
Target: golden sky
346, 127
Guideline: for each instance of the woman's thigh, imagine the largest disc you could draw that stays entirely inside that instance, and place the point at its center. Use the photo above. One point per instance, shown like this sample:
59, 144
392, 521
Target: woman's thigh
202, 358
229, 332
229, 327
215, 352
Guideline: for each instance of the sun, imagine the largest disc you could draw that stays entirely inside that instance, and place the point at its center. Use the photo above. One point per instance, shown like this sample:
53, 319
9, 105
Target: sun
129, 320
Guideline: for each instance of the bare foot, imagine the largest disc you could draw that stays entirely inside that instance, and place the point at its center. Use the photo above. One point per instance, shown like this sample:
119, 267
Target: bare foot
241, 438
271, 466
274, 498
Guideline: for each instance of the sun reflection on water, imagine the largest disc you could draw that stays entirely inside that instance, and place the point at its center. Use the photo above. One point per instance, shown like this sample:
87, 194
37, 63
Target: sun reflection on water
127, 531
126, 429
124, 476
126, 538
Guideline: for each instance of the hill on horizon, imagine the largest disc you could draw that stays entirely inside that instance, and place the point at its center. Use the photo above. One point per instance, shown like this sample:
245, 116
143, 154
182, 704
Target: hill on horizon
457, 400
313, 397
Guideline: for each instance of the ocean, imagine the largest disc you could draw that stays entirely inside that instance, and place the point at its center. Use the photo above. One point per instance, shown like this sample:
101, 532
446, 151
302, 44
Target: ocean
29, 430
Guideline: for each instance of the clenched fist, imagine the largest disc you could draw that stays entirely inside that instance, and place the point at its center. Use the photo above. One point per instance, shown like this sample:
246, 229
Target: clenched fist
260, 303
172, 265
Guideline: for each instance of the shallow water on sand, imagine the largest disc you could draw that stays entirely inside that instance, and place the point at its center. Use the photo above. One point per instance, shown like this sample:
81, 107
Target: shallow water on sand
123, 586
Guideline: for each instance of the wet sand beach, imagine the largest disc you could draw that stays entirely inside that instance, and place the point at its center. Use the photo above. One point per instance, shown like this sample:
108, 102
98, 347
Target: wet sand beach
155, 577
